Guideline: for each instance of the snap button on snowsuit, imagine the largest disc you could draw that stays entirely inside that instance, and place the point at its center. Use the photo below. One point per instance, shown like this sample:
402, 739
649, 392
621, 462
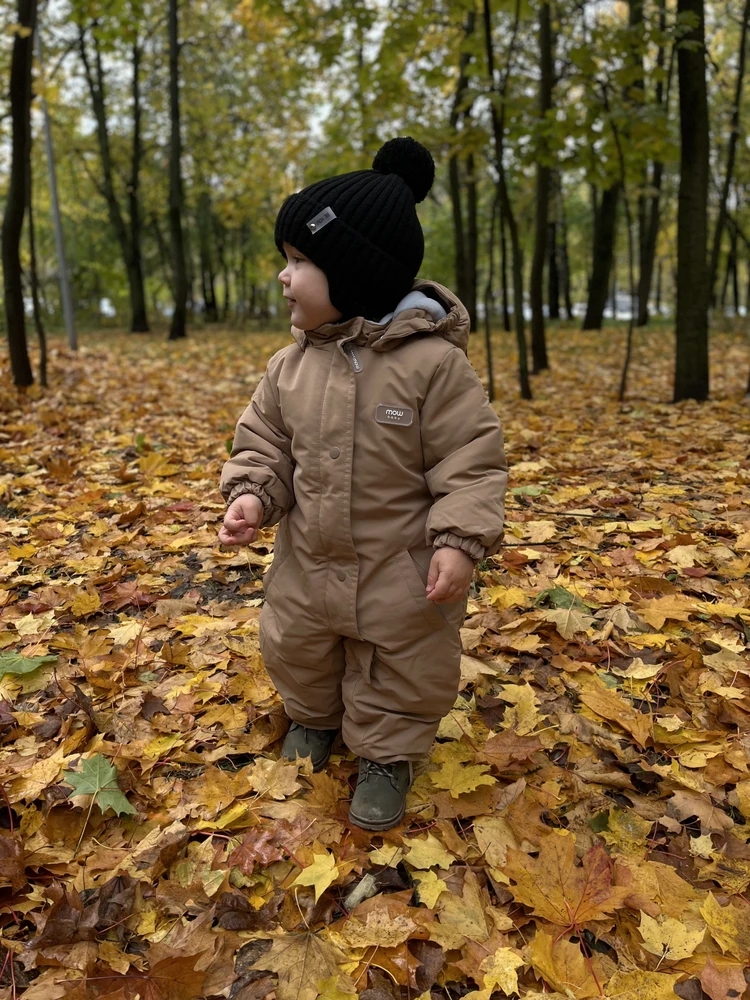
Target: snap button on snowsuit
347, 633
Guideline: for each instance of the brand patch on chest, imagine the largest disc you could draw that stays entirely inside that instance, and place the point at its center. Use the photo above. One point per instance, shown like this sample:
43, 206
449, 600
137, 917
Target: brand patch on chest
390, 413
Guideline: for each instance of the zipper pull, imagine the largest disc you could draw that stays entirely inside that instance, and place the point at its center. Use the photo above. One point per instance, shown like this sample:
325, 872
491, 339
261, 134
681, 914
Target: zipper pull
352, 356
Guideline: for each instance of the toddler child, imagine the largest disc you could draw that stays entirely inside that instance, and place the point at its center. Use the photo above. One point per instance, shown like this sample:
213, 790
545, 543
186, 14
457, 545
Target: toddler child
370, 441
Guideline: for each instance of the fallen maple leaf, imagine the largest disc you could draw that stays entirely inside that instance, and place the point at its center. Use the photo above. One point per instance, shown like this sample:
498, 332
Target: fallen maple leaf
301, 962
557, 889
459, 778
427, 852
728, 925
320, 874
668, 938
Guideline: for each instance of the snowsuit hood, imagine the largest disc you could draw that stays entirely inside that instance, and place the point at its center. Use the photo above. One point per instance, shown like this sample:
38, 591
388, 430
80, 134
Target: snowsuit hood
428, 308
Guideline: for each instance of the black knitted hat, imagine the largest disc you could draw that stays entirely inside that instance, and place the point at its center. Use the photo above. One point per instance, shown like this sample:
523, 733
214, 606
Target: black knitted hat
362, 229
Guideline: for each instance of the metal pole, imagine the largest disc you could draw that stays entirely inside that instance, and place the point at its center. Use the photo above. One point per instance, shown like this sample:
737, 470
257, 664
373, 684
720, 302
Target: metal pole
65, 294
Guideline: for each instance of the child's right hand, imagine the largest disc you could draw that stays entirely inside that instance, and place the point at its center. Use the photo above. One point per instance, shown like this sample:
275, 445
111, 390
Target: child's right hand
242, 520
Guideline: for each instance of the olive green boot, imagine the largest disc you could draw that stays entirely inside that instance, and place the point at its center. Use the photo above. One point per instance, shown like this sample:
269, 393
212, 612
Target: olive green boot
379, 800
314, 743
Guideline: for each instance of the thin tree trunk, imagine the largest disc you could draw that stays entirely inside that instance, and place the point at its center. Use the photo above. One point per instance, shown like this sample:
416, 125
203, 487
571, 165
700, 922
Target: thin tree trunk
658, 286
499, 138
691, 378
536, 284
605, 228
20, 114
635, 95
734, 135
140, 319
95, 80
565, 260
454, 172
164, 257
177, 326
488, 303
648, 253
34, 280
504, 271
472, 239
553, 273
208, 287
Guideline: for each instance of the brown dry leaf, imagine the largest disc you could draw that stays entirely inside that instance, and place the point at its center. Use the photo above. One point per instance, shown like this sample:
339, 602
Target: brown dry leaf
557, 889
611, 706
563, 966
301, 961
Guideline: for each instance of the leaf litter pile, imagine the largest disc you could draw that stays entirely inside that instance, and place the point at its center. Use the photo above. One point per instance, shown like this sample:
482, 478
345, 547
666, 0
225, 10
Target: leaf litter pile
582, 825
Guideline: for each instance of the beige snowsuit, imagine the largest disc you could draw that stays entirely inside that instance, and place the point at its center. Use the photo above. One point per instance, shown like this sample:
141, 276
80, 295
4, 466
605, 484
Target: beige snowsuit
371, 444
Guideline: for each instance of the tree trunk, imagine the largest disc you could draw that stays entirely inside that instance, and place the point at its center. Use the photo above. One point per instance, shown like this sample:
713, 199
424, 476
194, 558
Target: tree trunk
691, 363
658, 286
734, 135
462, 266
205, 229
564, 260
536, 284
139, 322
177, 326
20, 114
648, 245
131, 257
504, 271
34, 279
472, 239
605, 228
488, 303
553, 274
498, 129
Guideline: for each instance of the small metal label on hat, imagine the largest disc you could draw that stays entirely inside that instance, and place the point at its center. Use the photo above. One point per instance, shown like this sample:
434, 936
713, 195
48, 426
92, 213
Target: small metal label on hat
321, 219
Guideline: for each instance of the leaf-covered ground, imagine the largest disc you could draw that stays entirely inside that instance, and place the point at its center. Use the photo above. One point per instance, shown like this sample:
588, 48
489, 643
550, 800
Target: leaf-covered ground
582, 826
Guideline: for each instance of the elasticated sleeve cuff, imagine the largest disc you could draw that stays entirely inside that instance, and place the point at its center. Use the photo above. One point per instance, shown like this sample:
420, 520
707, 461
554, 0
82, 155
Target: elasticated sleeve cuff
260, 493
473, 548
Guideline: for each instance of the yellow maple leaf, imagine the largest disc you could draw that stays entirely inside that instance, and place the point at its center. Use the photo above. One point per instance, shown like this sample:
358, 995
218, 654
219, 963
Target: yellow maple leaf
430, 888
386, 855
126, 631
641, 985
500, 970
320, 874
729, 926
506, 597
668, 938
331, 988
427, 851
459, 778
34, 624
563, 966
275, 778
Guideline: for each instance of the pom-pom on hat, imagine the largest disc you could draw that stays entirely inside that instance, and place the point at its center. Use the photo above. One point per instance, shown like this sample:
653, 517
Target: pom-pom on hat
362, 230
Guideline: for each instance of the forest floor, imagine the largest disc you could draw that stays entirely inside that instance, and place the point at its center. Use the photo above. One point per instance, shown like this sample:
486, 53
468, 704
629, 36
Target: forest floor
582, 825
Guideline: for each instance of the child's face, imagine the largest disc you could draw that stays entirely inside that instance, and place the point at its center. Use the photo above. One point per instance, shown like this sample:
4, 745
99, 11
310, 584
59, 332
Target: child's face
306, 289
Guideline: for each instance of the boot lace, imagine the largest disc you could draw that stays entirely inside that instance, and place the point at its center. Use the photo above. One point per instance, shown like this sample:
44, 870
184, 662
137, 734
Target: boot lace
382, 770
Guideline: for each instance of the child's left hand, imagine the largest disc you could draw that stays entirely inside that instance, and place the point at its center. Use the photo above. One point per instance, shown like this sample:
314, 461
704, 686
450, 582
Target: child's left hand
449, 575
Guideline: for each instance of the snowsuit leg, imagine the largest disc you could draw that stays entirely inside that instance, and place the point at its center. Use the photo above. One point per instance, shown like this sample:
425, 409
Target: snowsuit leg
396, 693
304, 658
389, 688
